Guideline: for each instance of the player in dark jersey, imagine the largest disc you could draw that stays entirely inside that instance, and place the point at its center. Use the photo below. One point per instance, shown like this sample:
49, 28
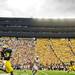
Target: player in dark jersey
6, 55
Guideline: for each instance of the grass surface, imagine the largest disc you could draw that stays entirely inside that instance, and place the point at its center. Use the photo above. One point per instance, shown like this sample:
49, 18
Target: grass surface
28, 72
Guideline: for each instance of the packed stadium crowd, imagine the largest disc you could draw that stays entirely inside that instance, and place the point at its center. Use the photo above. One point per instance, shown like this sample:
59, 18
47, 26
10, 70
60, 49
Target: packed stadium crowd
54, 54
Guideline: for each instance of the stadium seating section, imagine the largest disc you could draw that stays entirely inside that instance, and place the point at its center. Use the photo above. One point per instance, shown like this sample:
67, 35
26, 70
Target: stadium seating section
49, 50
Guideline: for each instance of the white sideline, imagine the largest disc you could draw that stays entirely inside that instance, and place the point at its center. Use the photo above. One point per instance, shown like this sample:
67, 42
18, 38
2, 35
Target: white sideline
9, 74
4, 74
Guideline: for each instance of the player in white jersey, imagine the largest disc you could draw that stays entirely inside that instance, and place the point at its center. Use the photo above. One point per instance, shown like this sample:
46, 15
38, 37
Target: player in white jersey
35, 65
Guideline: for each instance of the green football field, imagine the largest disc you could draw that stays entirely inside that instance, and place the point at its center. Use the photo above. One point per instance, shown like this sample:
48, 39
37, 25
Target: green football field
28, 72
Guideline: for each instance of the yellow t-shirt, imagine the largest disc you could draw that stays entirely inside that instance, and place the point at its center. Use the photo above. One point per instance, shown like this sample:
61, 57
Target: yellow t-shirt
72, 68
8, 66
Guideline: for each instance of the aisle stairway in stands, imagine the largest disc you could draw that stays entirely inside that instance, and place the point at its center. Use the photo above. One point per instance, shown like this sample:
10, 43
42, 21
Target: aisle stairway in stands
72, 43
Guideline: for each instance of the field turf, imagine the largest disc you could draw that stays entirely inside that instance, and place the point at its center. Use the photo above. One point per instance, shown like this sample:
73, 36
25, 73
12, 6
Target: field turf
28, 72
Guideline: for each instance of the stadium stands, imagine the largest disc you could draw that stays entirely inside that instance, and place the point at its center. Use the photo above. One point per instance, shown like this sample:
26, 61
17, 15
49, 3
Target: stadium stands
55, 50
44, 51
24, 52
62, 50
23, 49
50, 51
